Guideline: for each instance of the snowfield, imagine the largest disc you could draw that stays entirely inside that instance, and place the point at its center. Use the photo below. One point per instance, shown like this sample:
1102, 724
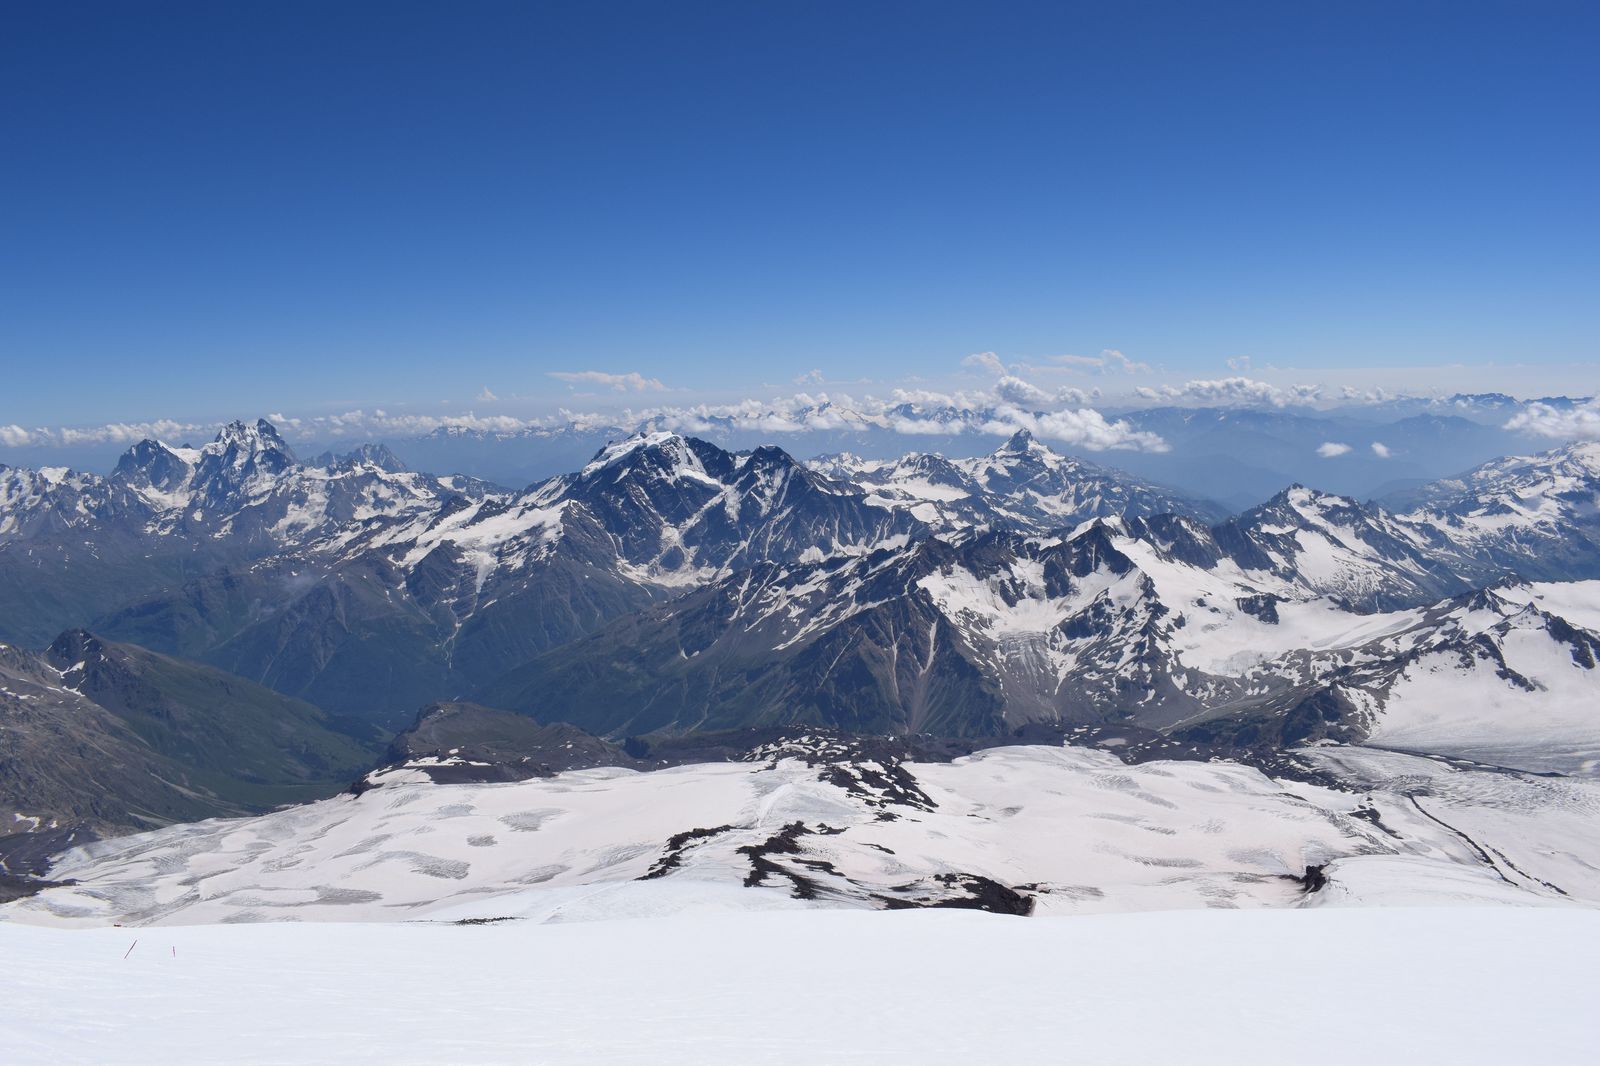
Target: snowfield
1054, 830
1458, 986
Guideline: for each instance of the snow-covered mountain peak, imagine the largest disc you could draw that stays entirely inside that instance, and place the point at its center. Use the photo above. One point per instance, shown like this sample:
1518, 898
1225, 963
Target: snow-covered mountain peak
662, 442
1585, 455
241, 441
243, 460
1022, 453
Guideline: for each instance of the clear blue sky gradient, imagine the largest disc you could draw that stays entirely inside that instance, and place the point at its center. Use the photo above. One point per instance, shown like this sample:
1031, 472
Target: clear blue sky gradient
225, 207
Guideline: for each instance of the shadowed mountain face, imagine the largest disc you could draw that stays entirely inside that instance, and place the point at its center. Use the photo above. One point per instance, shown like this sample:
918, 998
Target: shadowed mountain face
1149, 623
116, 737
419, 607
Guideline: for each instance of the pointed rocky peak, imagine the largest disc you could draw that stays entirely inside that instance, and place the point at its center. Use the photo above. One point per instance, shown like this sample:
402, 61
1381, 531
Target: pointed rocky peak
1023, 457
768, 457
74, 653
1094, 546
1021, 441
1024, 443
242, 457
152, 464
245, 439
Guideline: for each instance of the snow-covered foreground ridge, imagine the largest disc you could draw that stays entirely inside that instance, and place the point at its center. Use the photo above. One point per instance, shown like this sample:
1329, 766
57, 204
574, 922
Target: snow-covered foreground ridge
1458, 986
829, 824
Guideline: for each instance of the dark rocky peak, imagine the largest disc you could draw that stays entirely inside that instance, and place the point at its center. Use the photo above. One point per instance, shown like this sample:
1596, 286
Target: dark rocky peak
86, 662
1020, 443
1092, 549
151, 464
74, 646
763, 460
1023, 450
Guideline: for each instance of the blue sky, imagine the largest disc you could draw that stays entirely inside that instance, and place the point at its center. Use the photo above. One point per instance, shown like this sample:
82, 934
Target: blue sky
213, 209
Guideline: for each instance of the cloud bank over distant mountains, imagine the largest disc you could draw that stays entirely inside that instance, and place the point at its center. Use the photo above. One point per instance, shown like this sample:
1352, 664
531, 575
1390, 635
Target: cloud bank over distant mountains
1576, 422
1082, 402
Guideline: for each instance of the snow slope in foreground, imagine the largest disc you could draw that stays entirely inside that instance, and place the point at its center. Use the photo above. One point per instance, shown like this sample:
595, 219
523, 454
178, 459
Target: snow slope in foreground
1458, 985
1070, 829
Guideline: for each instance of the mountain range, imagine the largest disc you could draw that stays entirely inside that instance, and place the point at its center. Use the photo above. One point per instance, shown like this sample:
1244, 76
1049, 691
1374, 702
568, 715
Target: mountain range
669, 587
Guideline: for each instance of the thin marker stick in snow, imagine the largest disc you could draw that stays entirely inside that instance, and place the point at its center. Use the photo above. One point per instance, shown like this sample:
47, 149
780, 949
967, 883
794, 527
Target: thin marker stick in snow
131, 946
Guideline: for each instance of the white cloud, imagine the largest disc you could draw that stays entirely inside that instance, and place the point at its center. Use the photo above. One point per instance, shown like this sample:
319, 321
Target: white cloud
1240, 364
924, 397
1333, 449
1578, 422
986, 361
486, 396
1077, 397
1235, 391
1015, 390
1375, 395
630, 382
1086, 428
810, 377
1381, 450
916, 413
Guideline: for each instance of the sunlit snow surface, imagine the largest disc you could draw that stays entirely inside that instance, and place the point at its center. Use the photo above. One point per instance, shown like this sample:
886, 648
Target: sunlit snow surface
1072, 829
1459, 986
513, 923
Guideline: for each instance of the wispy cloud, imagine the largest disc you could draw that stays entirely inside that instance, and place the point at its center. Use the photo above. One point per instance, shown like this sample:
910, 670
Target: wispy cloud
1381, 450
1110, 360
1333, 449
986, 361
629, 382
485, 396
